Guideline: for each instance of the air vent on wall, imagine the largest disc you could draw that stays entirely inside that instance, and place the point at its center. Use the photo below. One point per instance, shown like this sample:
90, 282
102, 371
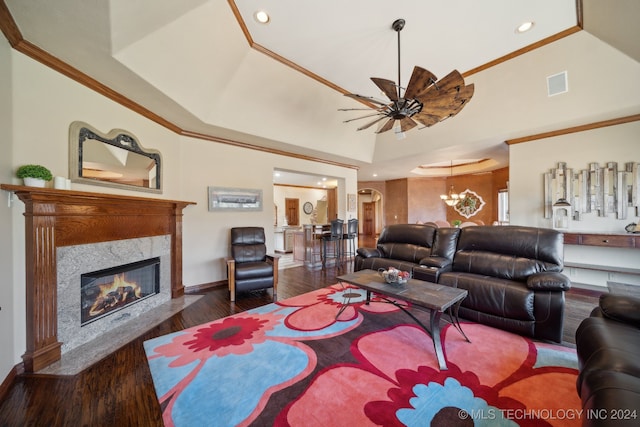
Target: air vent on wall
557, 84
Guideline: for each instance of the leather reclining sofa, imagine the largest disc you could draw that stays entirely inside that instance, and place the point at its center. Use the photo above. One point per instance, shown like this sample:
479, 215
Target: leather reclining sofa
608, 348
512, 273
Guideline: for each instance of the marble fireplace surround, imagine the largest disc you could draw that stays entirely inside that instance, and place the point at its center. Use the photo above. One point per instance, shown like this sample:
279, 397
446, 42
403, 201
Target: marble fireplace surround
73, 261
60, 218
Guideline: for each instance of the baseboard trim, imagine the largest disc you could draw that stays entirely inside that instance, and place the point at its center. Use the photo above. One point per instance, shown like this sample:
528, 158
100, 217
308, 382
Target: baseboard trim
588, 290
10, 379
205, 287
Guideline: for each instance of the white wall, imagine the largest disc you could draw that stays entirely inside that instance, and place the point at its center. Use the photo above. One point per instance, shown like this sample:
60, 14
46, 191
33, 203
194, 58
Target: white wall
529, 161
7, 312
36, 112
206, 234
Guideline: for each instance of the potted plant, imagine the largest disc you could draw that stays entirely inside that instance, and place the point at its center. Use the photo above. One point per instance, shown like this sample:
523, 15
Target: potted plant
34, 175
456, 223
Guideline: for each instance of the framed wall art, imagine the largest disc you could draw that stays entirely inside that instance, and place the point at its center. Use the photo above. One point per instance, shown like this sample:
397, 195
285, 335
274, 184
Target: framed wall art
234, 199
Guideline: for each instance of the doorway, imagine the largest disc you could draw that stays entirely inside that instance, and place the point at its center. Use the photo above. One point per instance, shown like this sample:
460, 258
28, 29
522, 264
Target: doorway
370, 212
368, 218
291, 211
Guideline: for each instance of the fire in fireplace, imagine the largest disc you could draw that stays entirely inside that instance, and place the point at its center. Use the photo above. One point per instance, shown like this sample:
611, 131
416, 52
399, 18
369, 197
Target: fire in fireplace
106, 291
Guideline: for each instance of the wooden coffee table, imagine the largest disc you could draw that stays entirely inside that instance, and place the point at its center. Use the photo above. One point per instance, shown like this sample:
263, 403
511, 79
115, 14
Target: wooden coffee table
430, 296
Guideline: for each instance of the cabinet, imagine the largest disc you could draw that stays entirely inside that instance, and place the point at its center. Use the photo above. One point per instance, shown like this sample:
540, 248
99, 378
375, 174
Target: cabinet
283, 239
603, 240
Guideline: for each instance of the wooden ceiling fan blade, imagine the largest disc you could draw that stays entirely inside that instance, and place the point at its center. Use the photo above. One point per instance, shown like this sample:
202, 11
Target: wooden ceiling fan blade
463, 102
371, 123
420, 80
387, 86
387, 126
451, 81
407, 123
427, 119
446, 99
450, 106
466, 92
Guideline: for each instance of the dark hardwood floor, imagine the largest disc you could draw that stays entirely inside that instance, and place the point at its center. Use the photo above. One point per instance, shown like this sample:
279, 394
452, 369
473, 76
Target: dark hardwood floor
118, 391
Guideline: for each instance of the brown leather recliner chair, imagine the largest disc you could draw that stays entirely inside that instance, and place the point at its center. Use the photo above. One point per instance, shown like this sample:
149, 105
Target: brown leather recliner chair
250, 267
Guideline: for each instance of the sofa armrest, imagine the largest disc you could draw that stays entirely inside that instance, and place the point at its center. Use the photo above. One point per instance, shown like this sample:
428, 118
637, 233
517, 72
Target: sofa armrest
548, 281
623, 308
369, 253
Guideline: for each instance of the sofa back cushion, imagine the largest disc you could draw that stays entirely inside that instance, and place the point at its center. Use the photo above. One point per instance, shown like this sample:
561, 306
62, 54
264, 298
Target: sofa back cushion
445, 242
508, 252
407, 242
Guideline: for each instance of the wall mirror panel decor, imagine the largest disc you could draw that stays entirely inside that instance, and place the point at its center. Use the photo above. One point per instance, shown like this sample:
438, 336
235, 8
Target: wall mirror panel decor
116, 159
609, 190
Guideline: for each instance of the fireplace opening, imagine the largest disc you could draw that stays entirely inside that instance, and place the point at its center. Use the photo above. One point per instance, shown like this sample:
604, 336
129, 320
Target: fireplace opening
106, 291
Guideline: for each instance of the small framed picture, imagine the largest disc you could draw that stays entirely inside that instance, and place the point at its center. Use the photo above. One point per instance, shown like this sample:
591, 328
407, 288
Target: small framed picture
234, 199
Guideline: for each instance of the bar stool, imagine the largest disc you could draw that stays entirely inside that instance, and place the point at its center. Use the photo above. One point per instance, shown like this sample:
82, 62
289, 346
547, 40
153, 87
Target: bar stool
334, 235
350, 237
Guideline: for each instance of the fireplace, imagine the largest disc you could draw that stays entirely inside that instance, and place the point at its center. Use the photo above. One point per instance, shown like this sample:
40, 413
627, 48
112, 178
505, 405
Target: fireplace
107, 291
59, 222
102, 286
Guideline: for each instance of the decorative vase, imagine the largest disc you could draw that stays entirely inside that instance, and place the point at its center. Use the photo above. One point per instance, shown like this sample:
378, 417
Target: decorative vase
34, 182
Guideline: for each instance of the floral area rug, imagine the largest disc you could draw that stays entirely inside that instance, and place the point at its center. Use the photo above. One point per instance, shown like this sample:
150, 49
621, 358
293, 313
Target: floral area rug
292, 363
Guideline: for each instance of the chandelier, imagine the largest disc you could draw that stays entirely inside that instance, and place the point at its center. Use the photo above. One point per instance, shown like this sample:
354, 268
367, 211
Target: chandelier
452, 198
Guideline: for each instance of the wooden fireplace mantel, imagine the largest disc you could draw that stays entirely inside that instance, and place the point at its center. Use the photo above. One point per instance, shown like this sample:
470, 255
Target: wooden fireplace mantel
55, 218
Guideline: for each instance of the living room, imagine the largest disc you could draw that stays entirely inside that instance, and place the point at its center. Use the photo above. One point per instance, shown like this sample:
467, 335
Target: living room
39, 102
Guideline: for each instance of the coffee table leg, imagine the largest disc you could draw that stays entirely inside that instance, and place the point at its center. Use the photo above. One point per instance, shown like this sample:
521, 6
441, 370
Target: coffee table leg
455, 319
368, 298
437, 341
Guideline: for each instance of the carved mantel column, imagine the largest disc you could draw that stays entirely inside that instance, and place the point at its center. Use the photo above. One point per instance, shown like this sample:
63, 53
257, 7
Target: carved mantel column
55, 218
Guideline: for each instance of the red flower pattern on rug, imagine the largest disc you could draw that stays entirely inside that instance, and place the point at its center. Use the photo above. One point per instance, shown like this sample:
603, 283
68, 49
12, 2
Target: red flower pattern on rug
397, 382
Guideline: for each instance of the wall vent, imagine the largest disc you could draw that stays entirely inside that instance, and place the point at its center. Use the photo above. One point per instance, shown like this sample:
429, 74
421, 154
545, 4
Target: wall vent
557, 84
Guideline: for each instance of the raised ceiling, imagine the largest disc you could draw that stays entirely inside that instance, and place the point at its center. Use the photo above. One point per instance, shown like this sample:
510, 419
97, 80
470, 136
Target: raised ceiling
207, 67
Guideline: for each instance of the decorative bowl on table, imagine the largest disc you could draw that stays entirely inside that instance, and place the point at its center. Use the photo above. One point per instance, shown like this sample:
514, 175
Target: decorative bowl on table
394, 276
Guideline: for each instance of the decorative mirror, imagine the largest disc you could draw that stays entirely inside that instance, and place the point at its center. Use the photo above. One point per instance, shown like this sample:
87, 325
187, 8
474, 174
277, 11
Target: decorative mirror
114, 160
470, 205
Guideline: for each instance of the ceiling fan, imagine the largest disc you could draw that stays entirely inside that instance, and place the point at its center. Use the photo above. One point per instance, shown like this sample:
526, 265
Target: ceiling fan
425, 100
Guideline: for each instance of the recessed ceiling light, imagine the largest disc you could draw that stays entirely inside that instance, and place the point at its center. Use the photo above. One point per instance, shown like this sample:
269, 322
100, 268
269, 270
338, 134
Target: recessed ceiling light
524, 27
375, 174
262, 17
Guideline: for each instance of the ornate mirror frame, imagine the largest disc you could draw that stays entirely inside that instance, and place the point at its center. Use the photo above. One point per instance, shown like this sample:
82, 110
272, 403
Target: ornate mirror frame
470, 205
106, 159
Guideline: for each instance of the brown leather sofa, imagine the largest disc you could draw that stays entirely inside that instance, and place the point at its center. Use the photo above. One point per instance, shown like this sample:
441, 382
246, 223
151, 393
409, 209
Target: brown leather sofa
512, 273
608, 347
410, 247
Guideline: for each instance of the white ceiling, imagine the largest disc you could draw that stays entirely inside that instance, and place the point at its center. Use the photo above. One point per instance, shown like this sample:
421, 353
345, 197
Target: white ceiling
209, 70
